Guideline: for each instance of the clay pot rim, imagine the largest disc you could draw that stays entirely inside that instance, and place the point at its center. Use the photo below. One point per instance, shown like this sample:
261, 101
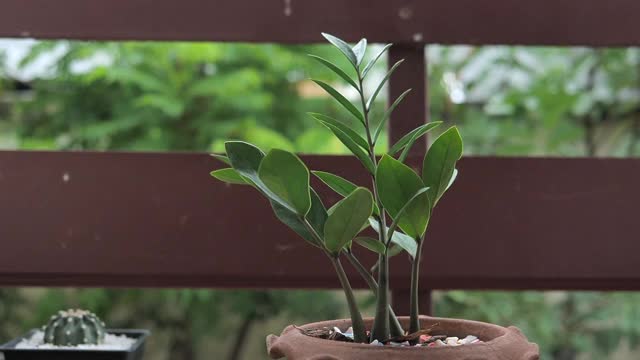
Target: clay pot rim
330, 323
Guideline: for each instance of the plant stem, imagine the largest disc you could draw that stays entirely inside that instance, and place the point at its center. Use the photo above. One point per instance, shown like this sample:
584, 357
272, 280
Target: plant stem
359, 333
414, 317
396, 327
381, 327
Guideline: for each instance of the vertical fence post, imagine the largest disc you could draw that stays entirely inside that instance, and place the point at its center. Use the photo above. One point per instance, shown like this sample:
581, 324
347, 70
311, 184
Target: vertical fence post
411, 113
400, 301
411, 74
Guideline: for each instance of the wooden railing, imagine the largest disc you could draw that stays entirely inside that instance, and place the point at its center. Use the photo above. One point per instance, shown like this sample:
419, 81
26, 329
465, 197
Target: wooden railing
157, 220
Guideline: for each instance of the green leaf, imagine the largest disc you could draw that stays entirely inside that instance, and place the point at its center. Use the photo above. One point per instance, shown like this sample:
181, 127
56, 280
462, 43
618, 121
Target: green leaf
353, 146
397, 184
337, 70
421, 195
373, 61
344, 48
417, 133
287, 176
323, 119
370, 243
412, 136
339, 184
453, 178
341, 99
440, 162
359, 50
246, 159
381, 85
222, 158
229, 175
292, 220
387, 115
404, 241
317, 216
347, 218
394, 250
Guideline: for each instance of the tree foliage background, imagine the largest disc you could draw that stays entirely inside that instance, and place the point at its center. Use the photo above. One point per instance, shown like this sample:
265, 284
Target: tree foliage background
191, 96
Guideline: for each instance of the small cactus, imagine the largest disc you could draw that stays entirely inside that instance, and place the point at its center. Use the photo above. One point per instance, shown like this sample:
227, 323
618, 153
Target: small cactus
74, 327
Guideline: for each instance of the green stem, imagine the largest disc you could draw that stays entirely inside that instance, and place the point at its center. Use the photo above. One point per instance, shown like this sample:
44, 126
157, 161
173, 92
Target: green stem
381, 327
359, 332
396, 327
357, 323
414, 318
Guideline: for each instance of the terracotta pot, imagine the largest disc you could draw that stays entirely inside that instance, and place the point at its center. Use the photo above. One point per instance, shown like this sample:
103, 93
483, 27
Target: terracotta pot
499, 343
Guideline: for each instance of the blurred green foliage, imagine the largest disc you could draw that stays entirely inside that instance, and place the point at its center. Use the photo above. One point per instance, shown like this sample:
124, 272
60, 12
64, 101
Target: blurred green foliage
539, 101
507, 101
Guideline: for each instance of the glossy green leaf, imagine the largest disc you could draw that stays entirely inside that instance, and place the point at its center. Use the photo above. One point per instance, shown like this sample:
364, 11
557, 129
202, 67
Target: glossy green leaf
359, 50
440, 162
246, 159
353, 146
336, 70
341, 99
419, 196
287, 176
387, 115
371, 244
339, 184
414, 137
373, 61
229, 175
345, 129
222, 158
344, 48
382, 83
347, 218
397, 184
410, 138
394, 250
453, 178
406, 242
317, 216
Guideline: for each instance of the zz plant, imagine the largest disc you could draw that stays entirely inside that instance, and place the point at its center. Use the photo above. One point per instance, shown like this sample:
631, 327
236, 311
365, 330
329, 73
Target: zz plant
398, 208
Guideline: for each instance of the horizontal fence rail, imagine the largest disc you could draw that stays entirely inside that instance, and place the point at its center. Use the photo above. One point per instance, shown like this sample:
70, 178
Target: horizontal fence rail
159, 220
543, 22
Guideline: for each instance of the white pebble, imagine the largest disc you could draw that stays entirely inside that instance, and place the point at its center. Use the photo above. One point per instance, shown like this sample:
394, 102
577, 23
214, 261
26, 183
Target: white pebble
452, 341
468, 340
111, 342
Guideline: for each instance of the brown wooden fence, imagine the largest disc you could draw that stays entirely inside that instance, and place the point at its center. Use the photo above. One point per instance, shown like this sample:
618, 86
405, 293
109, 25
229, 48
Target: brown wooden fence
157, 220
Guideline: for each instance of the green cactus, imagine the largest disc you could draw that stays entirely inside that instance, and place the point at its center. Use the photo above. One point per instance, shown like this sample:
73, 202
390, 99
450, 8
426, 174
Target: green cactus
74, 327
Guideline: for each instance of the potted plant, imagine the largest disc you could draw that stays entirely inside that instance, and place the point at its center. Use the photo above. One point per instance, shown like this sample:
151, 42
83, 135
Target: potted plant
398, 206
76, 334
